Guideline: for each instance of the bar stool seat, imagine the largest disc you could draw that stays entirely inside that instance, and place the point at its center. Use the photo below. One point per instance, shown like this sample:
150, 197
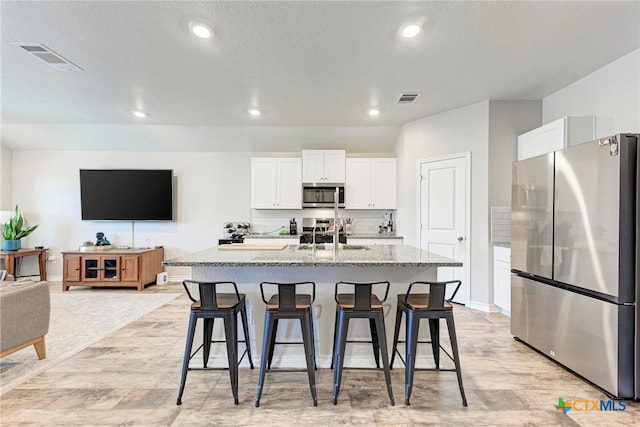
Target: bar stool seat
362, 303
434, 307
287, 304
210, 306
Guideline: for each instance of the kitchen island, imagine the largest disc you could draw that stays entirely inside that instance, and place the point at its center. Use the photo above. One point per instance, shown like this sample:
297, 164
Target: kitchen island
398, 264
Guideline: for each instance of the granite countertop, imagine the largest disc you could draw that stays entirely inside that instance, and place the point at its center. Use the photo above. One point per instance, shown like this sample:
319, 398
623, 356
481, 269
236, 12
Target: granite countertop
293, 256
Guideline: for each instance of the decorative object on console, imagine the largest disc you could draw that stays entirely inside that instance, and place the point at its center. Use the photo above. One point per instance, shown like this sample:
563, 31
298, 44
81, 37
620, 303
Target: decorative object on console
13, 230
101, 239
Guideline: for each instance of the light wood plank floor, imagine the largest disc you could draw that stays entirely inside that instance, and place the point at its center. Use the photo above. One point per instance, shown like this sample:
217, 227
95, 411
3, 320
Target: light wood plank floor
131, 378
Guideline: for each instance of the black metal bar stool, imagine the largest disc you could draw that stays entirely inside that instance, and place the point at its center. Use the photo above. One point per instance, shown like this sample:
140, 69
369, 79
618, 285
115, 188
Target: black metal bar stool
430, 306
287, 304
364, 304
210, 306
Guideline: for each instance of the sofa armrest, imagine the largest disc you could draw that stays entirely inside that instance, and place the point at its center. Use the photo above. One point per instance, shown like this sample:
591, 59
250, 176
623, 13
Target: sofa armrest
25, 309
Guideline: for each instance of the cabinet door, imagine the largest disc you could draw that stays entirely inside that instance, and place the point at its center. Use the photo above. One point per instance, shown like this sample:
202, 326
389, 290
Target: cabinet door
91, 268
264, 180
334, 166
72, 268
357, 188
289, 184
383, 182
110, 268
502, 279
313, 165
129, 268
542, 140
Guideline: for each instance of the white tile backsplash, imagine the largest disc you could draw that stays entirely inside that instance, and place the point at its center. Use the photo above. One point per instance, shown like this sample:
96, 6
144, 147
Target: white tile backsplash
500, 224
364, 221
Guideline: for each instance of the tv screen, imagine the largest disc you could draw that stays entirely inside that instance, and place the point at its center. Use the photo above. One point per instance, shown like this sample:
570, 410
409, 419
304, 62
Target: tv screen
126, 194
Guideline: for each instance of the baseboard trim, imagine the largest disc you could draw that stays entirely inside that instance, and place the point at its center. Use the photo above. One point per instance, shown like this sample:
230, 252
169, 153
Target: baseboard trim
487, 308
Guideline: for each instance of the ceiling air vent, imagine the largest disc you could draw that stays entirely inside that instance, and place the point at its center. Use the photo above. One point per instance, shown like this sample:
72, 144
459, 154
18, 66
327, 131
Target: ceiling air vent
408, 98
50, 57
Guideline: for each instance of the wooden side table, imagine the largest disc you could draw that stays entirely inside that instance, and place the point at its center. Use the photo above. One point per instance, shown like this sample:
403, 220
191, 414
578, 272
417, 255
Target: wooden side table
10, 258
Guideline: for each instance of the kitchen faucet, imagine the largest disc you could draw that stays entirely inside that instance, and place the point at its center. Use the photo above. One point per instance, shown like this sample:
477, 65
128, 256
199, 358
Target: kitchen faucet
336, 228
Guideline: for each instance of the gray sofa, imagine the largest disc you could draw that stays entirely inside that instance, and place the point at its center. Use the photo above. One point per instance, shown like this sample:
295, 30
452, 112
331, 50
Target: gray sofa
25, 309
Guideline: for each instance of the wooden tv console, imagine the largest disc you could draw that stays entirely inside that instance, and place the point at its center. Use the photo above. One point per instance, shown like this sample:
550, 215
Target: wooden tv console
117, 267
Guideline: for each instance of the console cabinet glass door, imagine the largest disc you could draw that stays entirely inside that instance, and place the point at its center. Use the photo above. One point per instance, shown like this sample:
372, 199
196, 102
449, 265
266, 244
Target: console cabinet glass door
100, 268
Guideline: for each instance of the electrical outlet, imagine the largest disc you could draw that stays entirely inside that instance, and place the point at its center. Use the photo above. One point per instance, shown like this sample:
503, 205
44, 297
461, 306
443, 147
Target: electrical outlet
52, 258
552, 353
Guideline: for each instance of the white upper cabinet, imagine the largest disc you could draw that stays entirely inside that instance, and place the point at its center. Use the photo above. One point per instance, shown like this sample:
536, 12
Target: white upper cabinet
370, 183
323, 166
276, 183
562, 133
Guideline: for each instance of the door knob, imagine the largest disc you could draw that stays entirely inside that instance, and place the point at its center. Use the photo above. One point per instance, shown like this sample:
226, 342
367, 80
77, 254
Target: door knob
460, 239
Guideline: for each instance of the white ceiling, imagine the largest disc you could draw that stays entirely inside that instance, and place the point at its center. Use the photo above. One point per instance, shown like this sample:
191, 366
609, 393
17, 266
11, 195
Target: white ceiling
308, 65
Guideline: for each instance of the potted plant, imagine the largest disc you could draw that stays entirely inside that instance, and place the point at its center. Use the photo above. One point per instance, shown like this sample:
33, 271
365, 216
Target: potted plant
13, 231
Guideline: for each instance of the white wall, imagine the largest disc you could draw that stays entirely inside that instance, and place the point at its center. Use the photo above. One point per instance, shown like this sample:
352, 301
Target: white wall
211, 188
612, 92
507, 120
6, 171
462, 130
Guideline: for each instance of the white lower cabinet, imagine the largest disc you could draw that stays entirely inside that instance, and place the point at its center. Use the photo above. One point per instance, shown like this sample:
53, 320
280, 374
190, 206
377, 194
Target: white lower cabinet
271, 241
502, 279
374, 241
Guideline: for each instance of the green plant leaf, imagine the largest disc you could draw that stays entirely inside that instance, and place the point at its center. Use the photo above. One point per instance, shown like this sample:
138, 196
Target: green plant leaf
13, 228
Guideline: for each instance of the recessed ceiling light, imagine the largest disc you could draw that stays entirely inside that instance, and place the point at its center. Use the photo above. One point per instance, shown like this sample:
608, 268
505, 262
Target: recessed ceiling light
139, 114
410, 31
200, 30
373, 112
254, 112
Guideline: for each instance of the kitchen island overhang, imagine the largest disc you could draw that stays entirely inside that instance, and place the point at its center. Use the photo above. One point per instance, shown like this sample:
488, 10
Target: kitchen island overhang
296, 256
398, 264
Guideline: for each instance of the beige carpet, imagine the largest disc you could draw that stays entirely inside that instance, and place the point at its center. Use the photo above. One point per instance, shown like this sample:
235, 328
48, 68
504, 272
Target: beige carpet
78, 321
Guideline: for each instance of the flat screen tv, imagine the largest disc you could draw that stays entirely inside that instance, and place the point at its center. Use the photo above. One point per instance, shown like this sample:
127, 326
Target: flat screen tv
126, 194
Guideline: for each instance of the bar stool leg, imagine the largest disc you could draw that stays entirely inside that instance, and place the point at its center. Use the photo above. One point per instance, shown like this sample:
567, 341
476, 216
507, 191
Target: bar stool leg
266, 344
335, 331
412, 327
231, 332
396, 333
375, 342
307, 339
245, 330
434, 331
273, 343
187, 355
338, 355
456, 358
313, 339
382, 335
207, 334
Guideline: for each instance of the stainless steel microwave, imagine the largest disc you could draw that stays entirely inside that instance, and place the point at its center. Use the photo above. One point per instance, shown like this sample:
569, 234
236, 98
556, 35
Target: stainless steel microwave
322, 195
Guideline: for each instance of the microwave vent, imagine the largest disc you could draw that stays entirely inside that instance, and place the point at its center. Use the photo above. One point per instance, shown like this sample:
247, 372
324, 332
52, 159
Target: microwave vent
408, 98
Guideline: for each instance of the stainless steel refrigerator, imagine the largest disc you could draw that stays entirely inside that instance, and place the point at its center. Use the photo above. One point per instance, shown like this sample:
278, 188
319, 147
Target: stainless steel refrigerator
574, 245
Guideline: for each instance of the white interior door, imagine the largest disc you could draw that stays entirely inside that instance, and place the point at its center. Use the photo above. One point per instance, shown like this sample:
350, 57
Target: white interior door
444, 215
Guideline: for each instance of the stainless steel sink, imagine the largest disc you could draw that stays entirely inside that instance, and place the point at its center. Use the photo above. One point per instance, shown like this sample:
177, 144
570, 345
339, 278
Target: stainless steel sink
308, 246
355, 247
323, 246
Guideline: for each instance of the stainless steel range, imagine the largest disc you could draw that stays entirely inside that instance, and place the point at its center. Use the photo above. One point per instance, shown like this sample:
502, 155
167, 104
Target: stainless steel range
321, 229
